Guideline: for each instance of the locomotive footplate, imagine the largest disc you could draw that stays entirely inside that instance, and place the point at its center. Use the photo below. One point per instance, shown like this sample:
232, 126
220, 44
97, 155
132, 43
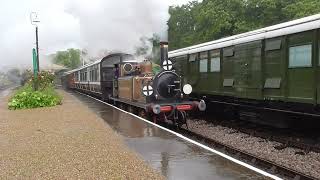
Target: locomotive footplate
163, 107
132, 103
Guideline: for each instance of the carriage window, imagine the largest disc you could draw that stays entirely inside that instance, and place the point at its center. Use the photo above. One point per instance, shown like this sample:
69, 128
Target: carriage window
215, 64
273, 45
300, 56
319, 52
94, 75
228, 52
192, 57
98, 73
203, 65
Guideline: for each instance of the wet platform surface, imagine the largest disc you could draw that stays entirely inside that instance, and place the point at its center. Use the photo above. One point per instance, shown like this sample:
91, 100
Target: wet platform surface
174, 157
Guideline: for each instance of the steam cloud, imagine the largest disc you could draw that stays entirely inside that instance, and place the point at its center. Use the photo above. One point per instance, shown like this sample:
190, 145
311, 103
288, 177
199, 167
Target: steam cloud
94, 25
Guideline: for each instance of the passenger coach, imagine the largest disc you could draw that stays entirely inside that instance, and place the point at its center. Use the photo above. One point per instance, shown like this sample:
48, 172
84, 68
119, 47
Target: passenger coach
270, 74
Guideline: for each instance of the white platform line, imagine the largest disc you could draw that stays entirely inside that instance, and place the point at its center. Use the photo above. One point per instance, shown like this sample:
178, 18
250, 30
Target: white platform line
193, 142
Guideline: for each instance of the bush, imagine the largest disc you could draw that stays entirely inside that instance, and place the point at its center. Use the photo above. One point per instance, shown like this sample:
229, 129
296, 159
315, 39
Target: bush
27, 98
45, 96
44, 80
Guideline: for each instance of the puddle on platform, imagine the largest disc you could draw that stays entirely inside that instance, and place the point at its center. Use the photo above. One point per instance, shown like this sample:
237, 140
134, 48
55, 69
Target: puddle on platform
170, 155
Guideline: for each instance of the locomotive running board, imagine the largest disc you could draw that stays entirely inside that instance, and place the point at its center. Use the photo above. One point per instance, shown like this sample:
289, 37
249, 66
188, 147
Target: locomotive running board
137, 104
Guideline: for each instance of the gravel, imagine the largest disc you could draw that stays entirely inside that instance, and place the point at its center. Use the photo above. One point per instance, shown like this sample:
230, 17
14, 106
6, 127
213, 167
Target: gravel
64, 142
308, 164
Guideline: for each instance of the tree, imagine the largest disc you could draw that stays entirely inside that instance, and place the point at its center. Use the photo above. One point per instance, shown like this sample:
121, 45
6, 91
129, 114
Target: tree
69, 58
196, 22
155, 48
182, 25
301, 8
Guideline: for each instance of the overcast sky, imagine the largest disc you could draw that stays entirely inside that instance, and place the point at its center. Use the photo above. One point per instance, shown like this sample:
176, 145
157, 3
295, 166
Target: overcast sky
92, 24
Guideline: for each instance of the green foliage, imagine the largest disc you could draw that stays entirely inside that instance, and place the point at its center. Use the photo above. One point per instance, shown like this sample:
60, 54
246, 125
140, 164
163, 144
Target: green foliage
69, 58
26, 97
156, 68
199, 22
155, 48
301, 8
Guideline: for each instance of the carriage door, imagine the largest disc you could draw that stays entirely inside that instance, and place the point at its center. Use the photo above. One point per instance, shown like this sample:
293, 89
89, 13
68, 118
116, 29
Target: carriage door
247, 70
193, 70
301, 74
107, 75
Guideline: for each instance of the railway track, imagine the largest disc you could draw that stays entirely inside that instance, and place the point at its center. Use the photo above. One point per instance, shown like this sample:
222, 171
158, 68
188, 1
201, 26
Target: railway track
256, 161
306, 141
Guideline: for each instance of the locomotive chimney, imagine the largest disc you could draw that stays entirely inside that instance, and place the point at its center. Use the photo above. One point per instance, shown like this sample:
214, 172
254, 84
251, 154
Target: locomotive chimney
163, 51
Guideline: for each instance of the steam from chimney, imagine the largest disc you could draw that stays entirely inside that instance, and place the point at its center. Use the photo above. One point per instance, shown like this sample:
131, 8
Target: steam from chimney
118, 25
94, 25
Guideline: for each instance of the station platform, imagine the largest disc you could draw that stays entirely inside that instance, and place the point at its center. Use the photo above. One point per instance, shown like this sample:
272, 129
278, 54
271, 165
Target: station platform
168, 153
68, 141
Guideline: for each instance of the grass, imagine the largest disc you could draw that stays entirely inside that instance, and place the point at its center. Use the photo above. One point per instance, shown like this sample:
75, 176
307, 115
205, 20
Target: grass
27, 98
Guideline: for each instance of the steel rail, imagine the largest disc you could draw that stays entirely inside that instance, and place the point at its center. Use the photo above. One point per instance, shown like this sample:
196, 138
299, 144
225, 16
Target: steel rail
254, 160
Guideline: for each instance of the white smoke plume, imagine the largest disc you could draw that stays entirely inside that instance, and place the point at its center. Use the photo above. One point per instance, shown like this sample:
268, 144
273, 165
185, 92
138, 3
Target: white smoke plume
94, 25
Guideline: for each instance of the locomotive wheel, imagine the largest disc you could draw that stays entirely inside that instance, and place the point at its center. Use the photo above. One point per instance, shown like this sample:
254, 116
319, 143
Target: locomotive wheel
143, 114
182, 119
131, 109
122, 106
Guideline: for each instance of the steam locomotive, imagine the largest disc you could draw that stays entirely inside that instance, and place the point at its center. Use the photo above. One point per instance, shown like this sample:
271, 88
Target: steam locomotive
135, 86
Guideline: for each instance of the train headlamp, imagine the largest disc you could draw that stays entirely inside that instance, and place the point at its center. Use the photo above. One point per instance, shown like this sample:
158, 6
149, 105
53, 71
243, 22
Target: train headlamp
167, 65
187, 89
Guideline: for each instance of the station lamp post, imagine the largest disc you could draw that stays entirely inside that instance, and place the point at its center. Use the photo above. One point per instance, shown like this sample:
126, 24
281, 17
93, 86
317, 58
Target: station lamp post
35, 21
36, 68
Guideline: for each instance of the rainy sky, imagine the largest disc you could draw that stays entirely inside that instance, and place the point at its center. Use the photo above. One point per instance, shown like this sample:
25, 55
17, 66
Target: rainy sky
94, 25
